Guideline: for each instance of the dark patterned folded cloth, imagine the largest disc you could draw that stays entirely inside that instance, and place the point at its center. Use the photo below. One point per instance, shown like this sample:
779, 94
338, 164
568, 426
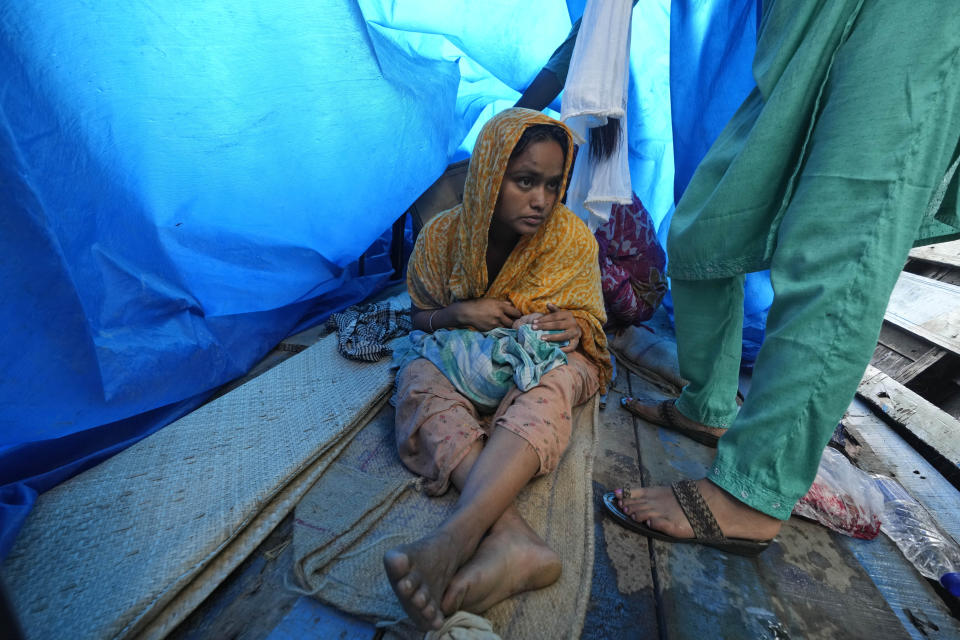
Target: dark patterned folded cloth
363, 331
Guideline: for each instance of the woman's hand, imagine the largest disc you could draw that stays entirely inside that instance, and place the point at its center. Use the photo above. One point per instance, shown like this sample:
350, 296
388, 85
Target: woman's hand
559, 320
484, 314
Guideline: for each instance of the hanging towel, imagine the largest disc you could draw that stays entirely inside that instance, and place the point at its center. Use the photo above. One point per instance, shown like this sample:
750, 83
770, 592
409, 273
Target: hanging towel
596, 89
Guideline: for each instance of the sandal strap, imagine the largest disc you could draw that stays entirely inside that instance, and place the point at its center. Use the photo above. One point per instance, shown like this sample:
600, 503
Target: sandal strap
666, 409
704, 525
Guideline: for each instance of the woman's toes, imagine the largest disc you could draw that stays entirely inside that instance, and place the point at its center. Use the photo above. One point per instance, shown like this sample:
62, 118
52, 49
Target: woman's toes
663, 525
396, 563
429, 611
421, 598
406, 586
437, 620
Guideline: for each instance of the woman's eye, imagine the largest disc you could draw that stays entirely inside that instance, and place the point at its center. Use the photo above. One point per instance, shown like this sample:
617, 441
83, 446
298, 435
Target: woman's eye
525, 182
553, 185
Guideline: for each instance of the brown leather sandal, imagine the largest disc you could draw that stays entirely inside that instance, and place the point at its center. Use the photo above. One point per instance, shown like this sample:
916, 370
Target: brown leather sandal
706, 531
667, 417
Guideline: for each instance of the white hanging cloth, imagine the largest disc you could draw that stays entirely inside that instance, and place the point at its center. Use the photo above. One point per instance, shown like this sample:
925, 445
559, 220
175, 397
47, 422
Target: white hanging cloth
595, 90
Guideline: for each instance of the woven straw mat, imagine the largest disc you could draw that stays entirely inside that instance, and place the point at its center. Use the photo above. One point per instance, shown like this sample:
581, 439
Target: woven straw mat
134, 544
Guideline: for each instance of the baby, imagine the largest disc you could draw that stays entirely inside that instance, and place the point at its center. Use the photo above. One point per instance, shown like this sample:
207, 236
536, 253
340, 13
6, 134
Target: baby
527, 319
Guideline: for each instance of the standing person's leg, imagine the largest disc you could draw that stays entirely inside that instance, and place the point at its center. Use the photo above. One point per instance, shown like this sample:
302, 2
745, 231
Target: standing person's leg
842, 242
708, 317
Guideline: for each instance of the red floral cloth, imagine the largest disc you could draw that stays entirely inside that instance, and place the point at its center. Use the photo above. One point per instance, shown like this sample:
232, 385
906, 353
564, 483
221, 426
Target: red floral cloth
632, 265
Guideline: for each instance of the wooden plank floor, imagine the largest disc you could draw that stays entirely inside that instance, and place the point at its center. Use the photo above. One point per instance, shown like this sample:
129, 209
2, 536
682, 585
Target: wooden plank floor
622, 600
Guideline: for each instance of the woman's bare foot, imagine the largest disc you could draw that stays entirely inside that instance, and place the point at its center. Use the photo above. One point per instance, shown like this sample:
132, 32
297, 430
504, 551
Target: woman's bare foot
651, 412
419, 573
658, 508
511, 560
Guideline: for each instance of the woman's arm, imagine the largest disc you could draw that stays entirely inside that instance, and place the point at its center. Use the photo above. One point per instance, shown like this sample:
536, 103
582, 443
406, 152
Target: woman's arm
482, 314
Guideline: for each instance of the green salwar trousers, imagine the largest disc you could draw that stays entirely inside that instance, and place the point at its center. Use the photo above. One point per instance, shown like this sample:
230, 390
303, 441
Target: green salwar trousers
869, 164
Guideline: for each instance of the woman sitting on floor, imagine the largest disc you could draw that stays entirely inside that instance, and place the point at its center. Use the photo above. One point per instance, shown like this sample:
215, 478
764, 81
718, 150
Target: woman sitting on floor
511, 249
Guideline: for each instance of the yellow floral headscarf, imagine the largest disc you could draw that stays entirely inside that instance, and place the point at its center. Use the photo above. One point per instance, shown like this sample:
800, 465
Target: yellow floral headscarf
557, 264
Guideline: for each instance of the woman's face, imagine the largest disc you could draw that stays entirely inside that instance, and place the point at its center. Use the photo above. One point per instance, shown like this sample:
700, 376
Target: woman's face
530, 188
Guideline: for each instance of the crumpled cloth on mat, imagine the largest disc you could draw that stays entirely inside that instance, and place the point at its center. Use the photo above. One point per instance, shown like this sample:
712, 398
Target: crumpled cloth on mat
363, 331
464, 626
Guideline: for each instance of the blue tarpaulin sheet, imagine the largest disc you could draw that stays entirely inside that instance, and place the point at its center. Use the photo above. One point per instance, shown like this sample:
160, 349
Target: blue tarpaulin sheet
184, 184
711, 52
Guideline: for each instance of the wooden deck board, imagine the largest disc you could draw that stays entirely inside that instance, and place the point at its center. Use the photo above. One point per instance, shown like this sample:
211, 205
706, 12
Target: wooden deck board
927, 308
929, 424
622, 603
885, 452
920, 610
944, 253
310, 618
253, 600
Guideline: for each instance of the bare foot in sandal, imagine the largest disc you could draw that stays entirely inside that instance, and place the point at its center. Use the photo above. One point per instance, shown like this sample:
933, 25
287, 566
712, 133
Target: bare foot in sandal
665, 414
658, 508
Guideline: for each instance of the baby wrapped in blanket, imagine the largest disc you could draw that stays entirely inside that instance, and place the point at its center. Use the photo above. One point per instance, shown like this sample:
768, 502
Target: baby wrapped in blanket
485, 366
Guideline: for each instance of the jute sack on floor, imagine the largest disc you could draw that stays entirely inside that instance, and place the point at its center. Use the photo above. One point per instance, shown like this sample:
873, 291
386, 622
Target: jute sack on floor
367, 503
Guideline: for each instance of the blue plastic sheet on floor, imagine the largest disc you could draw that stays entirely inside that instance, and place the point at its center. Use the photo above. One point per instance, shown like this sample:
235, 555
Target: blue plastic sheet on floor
186, 184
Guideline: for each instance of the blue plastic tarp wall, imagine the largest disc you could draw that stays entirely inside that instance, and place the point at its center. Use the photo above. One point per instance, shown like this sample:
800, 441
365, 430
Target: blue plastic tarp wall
185, 184
182, 184
711, 51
